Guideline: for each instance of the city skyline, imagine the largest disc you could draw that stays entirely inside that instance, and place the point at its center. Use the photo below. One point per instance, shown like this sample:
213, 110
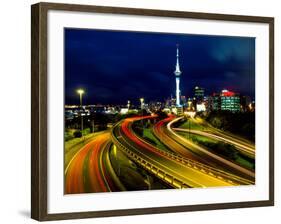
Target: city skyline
115, 66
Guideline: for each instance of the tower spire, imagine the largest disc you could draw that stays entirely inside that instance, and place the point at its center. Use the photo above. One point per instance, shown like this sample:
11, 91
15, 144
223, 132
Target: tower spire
177, 71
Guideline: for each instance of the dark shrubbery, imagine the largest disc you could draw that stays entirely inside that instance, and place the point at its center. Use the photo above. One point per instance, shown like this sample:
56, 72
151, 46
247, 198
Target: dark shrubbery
161, 115
138, 128
238, 123
77, 134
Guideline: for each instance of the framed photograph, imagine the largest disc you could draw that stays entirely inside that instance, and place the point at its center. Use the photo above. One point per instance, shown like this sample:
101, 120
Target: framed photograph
138, 111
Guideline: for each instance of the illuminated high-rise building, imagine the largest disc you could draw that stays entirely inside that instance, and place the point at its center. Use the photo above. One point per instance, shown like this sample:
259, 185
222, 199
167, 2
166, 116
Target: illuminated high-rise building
230, 101
225, 101
177, 73
199, 93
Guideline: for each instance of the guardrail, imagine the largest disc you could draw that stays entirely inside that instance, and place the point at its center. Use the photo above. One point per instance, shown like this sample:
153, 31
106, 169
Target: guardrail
155, 170
205, 168
112, 172
175, 182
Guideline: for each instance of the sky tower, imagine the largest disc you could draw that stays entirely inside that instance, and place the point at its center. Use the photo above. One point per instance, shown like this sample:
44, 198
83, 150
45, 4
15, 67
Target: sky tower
177, 72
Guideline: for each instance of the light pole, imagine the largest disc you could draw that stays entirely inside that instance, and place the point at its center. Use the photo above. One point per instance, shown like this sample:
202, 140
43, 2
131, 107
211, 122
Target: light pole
189, 128
141, 101
148, 182
81, 92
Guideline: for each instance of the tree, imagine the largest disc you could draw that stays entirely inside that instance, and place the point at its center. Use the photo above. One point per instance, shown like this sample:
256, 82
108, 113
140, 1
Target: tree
216, 122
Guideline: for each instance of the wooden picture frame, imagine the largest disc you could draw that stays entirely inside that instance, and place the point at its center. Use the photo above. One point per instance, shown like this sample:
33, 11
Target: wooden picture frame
39, 108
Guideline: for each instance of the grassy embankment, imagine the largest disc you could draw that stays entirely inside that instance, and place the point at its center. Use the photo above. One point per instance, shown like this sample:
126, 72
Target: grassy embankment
130, 174
72, 146
149, 136
193, 125
221, 148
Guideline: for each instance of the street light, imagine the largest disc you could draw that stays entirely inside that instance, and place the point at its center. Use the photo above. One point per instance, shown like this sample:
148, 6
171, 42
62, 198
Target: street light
81, 92
141, 100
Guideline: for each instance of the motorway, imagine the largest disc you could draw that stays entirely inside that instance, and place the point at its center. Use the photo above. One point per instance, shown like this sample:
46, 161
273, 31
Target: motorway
156, 162
185, 147
245, 149
246, 146
186, 166
161, 132
90, 169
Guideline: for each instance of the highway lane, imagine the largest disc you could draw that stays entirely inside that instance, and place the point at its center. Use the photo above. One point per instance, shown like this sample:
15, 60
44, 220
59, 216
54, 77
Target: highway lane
88, 170
220, 162
249, 151
249, 146
190, 176
161, 132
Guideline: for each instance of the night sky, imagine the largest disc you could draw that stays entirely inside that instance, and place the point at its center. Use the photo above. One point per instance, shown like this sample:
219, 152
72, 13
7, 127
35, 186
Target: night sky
116, 66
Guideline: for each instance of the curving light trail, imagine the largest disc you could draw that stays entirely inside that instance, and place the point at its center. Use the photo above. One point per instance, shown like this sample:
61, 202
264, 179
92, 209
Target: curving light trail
88, 171
210, 157
249, 151
191, 176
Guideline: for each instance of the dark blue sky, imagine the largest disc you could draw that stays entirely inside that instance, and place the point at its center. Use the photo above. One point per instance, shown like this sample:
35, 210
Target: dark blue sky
116, 66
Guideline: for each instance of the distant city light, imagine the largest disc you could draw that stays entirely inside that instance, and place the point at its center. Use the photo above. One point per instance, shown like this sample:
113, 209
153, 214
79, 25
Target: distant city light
174, 110
124, 110
190, 113
250, 106
200, 107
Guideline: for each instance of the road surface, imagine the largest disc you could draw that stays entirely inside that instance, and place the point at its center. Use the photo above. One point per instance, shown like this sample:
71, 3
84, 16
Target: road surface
186, 147
192, 177
247, 145
245, 149
89, 170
